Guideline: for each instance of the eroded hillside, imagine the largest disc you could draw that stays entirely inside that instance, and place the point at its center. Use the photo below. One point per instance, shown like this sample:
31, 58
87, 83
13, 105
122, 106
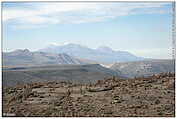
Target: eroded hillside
147, 97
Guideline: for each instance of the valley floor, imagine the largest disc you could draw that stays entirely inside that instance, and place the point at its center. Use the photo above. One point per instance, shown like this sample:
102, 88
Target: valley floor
141, 97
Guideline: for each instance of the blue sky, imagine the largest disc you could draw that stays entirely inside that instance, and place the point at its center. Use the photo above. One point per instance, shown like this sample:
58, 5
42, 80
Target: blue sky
143, 29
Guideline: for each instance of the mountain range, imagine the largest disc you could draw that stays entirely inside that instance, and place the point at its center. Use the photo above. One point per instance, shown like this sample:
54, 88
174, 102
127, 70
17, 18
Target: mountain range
127, 65
25, 57
102, 54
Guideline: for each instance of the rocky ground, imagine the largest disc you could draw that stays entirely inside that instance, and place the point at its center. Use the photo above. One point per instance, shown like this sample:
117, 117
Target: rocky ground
140, 97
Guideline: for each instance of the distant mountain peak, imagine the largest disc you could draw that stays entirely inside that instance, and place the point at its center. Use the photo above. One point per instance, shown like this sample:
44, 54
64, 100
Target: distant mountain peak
22, 51
101, 54
105, 48
67, 45
25, 57
26, 50
74, 45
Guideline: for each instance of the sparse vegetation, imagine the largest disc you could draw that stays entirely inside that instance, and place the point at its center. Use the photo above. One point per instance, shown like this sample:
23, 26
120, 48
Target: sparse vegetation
110, 97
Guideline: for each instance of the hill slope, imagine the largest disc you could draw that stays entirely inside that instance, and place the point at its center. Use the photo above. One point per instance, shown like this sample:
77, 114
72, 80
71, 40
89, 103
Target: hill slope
72, 73
144, 68
140, 97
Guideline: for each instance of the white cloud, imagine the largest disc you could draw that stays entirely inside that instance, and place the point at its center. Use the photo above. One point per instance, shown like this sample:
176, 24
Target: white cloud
39, 20
75, 13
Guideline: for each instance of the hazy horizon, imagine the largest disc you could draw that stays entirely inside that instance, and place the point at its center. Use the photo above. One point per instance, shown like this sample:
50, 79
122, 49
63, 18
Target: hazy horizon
141, 28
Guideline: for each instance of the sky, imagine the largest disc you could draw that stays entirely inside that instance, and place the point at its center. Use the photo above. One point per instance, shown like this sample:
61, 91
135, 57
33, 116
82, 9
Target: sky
141, 28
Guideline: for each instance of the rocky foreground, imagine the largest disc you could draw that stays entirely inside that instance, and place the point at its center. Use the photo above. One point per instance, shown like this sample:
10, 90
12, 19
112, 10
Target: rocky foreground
148, 97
